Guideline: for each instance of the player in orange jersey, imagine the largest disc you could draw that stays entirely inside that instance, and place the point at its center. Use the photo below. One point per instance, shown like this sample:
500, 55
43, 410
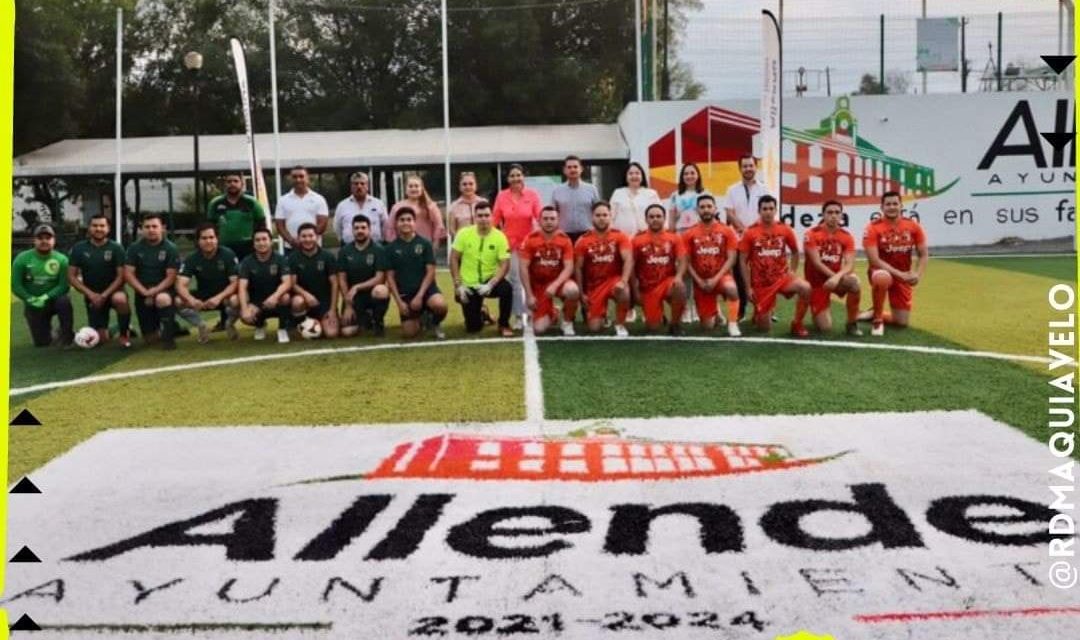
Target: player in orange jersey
603, 264
713, 250
764, 259
659, 267
889, 243
830, 268
547, 267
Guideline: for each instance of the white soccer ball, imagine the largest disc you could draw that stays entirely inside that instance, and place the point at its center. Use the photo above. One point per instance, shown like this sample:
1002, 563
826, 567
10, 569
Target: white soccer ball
310, 329
87, 338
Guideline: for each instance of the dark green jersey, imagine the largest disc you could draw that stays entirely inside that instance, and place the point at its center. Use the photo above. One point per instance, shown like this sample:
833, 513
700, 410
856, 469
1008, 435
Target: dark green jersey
409, 261
211, 274
313, 273
97, 264
152, 260
362, 265
263, 277
235, 221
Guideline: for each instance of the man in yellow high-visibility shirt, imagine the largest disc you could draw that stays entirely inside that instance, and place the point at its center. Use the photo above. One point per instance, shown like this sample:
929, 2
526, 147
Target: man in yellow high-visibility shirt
479, 261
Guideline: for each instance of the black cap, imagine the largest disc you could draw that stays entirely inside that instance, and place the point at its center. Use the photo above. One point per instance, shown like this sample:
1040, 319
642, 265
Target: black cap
44, 228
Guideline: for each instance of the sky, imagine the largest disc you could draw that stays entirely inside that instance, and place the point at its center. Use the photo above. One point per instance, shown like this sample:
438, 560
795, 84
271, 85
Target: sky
723, 41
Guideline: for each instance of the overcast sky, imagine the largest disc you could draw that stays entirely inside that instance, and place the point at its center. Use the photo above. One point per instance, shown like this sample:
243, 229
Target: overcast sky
723, 40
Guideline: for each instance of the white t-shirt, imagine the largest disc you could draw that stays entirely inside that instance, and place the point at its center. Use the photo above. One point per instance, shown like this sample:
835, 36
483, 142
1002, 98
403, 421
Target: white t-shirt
296, 210
684, 206
629, 210
349, 208
743, 200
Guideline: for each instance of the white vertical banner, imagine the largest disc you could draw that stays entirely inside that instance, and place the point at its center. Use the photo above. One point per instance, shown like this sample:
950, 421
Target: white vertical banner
770, 105
118, 185
446, 127
258, 185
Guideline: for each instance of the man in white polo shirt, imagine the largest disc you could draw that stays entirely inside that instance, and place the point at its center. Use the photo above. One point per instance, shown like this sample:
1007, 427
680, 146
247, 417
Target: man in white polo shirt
299, 206
360, 202
741, 209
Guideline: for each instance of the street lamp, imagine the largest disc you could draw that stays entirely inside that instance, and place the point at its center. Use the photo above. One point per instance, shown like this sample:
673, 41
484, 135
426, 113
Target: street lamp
193, 61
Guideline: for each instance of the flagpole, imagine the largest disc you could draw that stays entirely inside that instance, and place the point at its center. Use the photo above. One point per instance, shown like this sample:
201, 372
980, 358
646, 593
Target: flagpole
118, 209
637, 45
274, 102
446, 126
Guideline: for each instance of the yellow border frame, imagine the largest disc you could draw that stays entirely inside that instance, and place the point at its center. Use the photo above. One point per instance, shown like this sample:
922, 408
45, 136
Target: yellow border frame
7, 64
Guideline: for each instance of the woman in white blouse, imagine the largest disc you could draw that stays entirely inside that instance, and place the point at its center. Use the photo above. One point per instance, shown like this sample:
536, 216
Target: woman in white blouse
628, 203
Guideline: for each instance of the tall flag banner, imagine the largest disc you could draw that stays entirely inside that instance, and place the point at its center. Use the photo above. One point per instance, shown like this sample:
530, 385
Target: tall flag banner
258, 184
770, 106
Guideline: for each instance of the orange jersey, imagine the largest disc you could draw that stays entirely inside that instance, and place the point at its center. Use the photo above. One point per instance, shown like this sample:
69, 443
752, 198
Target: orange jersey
546, 256
655, 255
708, 247
895, 243
831, 248
767, 251
602, 256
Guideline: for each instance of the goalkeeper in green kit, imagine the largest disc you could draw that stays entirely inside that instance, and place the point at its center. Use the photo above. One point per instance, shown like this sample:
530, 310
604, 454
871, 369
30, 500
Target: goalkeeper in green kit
39, 279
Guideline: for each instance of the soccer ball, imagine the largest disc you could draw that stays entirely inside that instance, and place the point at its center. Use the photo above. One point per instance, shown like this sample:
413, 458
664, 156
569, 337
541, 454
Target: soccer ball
310, 329
87, 338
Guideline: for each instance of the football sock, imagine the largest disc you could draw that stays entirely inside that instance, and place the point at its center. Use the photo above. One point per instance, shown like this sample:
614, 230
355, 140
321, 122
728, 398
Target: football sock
621, 311
124, 320
853, 300
801, 305
732, 310
569, 309
878, 294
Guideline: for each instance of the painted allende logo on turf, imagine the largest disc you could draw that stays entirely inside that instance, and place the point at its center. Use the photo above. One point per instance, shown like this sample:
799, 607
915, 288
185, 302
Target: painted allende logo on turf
602, 455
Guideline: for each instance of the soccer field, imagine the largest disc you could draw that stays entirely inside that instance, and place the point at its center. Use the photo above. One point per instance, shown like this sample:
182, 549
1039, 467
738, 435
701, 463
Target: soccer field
992, 305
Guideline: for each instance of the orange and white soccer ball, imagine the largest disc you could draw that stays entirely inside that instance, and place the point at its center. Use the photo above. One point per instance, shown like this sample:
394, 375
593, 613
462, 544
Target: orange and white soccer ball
87, 338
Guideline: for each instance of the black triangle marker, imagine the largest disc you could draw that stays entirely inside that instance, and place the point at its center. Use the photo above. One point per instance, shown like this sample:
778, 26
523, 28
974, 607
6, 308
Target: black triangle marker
25, 419
25, 623
1058, 63
24, 555
25, 486
1058, 140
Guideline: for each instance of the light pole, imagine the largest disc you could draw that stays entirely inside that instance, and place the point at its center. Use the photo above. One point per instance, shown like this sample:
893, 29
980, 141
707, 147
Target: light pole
193, 61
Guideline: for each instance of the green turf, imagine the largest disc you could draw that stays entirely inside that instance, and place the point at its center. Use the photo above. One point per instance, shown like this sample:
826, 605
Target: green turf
1059, 268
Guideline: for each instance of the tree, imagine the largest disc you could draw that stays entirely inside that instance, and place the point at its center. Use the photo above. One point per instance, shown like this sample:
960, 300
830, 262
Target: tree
869, 85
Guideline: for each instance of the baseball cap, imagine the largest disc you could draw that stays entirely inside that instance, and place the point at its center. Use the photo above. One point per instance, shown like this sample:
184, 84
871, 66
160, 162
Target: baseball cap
45, 228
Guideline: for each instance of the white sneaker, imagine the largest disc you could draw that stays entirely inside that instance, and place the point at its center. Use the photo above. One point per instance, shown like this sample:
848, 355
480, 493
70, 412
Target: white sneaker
439, 333
877, 329
631, 316
282, 336
620, 331
687, 316
260, 333
693, 315
733, 329
515, 323
567, 328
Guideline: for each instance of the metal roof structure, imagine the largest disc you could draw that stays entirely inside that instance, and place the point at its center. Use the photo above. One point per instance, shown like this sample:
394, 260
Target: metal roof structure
328, 149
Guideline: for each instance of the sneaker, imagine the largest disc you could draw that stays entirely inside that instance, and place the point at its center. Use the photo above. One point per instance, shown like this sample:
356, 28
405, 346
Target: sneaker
204, 334
260, 333
620, 331
124, 340
439, 333
733, 329
230, 331
515, 323
852, 329
631, 315
675, 330
506, 332
688, 315
282, 336
567, 329
694, 315
798, 330
877, 328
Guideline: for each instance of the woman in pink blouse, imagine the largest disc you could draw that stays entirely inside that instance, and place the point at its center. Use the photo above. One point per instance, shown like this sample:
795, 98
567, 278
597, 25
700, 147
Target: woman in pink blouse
461, 210
429, 219
516, 212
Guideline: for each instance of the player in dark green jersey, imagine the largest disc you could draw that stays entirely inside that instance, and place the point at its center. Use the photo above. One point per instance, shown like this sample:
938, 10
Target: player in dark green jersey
411, 278
214, 269
314, 281
236, 215
362, 267
96, 269
150, 269
39, 279
263, 287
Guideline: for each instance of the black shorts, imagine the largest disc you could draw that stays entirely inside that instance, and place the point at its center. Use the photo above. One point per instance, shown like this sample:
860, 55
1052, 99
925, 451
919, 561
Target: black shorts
98, 317
149, 315
319, 311
407, 298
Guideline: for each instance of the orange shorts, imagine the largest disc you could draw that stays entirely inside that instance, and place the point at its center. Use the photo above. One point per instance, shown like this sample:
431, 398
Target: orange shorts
652, 301
705, 302
901, 294
545, 304
599, 296
765, 297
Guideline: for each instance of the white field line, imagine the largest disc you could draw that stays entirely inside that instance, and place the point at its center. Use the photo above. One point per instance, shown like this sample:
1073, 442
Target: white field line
984, 256
534, 386
206, 364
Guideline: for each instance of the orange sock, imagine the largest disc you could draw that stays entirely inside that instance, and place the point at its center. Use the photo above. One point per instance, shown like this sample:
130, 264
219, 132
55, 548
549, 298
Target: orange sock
733, 310
801, 305
879, 302
886, 317
621, 310
853, 300
569, 310
677, 309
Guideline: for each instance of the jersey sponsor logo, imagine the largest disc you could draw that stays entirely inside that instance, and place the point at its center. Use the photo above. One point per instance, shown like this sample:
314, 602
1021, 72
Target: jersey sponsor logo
320, 265
602, 258
273, 270
221, 265
658, 259
418, 249
549, 262
770, 253
52, 266
831, 258
161, 256
370, 260
108, 255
